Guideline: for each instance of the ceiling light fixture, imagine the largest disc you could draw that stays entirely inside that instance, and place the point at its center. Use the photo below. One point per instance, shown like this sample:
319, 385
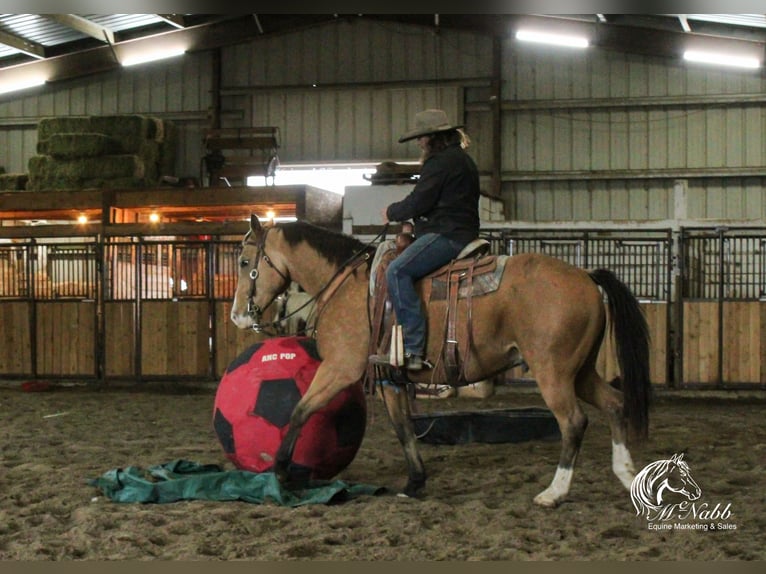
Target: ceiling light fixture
151, 57
721, 59
553, 39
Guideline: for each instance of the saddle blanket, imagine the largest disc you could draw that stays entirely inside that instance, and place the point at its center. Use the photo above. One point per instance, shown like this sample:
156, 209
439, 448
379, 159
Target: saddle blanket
481, 284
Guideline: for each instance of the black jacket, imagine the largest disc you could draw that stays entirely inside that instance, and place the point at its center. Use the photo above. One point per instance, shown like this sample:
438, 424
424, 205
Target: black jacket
445, 199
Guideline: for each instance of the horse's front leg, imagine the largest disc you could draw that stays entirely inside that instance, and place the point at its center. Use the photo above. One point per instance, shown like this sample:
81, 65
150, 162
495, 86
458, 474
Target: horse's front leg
398, 407
325, 386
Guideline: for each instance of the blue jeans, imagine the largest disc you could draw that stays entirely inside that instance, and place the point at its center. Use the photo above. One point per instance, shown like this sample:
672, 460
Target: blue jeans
426, 254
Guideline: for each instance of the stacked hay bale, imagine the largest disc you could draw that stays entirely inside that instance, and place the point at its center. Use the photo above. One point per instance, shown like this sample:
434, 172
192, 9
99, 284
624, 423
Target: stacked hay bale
114, 152
12, 181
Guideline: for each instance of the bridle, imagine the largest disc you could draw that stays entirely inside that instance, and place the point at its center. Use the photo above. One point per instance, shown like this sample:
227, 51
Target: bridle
324, 293
252, 309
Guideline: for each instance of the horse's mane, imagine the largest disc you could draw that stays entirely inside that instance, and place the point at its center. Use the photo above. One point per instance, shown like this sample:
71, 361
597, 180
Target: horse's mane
642, 488
336, 247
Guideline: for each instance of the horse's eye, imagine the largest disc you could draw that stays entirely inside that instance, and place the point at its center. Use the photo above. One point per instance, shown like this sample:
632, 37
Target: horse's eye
244, 262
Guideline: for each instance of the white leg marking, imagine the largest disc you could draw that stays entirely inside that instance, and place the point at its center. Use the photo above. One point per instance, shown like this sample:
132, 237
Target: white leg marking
622, 464
558, 489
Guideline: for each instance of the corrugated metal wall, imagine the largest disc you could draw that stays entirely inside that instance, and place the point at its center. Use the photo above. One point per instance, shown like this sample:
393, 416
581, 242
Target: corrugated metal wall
347, 91
639, 123
587, 136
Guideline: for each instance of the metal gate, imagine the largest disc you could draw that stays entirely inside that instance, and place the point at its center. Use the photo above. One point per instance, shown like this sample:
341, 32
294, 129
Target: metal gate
722, 308
166, 308
48, 308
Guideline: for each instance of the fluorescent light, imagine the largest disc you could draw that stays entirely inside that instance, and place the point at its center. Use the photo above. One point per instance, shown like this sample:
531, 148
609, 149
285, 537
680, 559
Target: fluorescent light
22, 85
555, 39
721, 59
151, 57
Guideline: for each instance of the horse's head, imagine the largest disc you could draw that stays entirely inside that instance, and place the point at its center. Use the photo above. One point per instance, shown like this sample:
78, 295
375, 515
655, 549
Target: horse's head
678, 478
263, 275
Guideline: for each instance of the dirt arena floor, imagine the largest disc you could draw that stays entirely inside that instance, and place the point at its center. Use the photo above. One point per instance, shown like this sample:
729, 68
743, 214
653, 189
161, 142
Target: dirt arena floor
477, 505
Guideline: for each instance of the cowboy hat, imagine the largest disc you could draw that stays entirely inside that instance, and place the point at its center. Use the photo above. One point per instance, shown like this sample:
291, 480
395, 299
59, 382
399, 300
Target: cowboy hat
429, 122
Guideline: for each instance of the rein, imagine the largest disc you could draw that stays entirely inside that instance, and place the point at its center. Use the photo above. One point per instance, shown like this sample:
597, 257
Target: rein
322, 296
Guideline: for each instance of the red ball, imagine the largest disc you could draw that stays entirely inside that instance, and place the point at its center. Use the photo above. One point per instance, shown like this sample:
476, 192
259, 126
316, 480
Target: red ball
257, 395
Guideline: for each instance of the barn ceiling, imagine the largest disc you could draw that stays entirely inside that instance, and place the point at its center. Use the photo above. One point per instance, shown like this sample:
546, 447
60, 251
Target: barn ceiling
62, 40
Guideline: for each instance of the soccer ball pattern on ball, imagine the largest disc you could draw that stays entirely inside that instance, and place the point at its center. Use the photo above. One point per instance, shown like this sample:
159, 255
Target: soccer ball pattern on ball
257, 395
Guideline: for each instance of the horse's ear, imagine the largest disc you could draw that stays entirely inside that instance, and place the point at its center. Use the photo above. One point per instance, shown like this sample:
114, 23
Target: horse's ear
255, 224
677, 457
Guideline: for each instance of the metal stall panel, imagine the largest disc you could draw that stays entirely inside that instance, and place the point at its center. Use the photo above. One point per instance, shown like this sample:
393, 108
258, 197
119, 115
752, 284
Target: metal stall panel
723, 291
174, 322
157, 309
120, 308
15, 312
64, 288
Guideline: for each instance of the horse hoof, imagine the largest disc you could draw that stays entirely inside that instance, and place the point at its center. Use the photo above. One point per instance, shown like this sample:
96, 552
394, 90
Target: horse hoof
412, 491
546, 501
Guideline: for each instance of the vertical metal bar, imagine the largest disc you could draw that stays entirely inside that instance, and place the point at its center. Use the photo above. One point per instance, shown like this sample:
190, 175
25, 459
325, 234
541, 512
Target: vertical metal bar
101, 270
721, 278
32, 294
210, 295
668, 265
681, 275
139, 246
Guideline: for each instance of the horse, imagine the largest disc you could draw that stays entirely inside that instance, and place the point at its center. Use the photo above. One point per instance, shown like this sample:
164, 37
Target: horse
659, 478
546, 311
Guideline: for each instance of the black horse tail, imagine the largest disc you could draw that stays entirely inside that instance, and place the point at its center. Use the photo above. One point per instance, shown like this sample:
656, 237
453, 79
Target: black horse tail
631, 334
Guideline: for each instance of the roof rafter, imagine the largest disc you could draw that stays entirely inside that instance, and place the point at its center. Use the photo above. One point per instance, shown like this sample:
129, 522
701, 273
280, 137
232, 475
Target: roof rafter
83, 25
22, 45
175, 20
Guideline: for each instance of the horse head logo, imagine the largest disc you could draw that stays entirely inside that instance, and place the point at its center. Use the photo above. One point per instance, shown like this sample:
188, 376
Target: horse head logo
658, 479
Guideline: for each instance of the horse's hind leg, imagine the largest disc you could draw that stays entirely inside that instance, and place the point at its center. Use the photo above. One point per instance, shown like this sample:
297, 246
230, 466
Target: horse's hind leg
559, 395
398, 407
593, 389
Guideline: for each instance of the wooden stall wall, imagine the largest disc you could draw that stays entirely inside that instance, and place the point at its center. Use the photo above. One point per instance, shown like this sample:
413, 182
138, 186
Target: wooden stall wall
175, 339
120, 339
16, 338
728, 354
65, 337
162, 305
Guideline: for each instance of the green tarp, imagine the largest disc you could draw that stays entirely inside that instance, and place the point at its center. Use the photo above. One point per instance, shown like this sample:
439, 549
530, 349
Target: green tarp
186, 480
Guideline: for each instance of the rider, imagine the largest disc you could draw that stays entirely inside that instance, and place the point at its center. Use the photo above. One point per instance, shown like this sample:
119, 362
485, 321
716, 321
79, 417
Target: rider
444, 206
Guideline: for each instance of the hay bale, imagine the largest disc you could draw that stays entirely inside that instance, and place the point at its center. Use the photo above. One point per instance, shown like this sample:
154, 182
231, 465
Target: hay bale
130, 130
107, 166
13, 181
71, 146
46, 127
112, 183
115, 149
48, 183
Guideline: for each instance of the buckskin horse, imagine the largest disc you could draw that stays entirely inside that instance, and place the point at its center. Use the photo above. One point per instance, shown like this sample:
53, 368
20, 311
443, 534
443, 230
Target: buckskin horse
544, 311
